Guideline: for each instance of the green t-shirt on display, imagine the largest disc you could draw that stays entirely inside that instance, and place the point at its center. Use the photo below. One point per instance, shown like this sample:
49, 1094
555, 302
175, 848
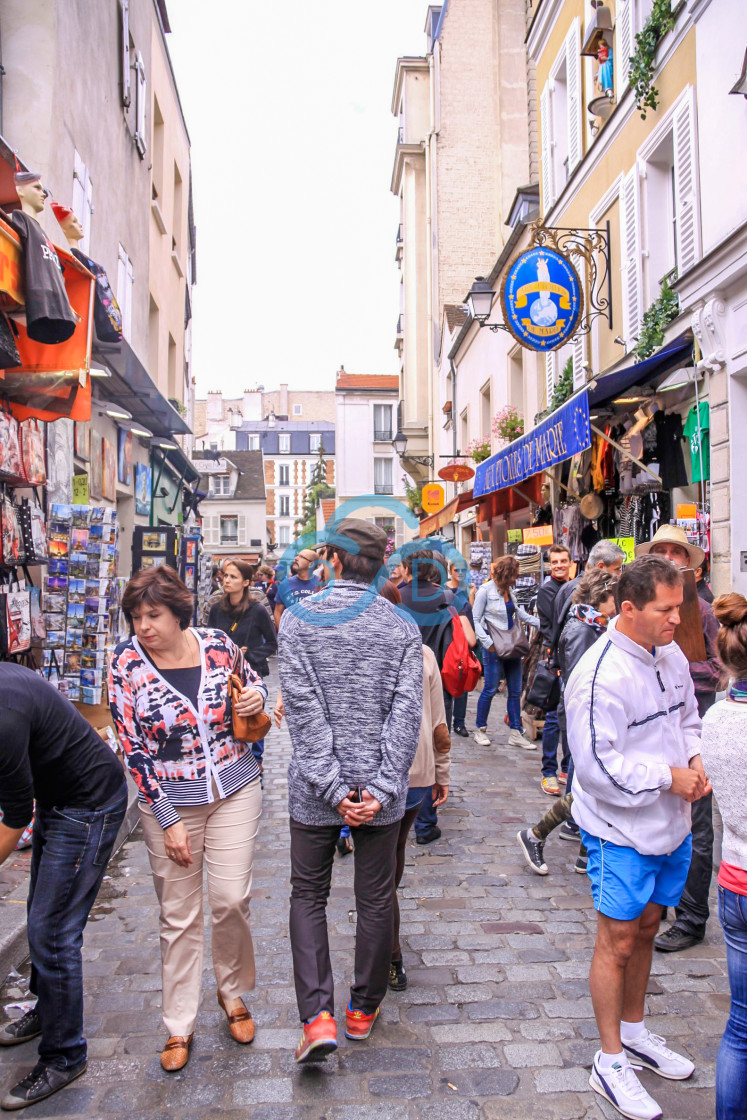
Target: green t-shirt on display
699, 441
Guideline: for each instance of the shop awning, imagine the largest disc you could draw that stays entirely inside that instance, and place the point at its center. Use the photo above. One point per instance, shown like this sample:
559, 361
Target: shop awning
446, 515
132, 387
612, 385
562, 434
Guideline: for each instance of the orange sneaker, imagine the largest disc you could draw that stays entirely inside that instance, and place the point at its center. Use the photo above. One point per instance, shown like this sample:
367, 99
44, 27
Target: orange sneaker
319, 1038
358, 1025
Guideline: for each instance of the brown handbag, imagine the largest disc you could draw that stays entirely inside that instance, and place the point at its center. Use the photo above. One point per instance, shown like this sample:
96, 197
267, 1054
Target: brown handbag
246, 729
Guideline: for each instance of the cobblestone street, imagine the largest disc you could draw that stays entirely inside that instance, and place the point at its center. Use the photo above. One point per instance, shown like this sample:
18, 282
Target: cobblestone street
496, 1021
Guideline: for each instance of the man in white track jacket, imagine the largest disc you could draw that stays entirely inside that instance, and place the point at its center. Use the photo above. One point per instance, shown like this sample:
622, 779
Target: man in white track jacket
634, 731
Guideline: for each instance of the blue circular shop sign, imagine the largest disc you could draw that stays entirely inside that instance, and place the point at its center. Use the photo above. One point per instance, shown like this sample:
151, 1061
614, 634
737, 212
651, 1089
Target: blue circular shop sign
541, 299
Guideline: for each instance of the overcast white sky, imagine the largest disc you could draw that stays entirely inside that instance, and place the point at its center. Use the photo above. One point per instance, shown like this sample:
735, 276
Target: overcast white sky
288, 109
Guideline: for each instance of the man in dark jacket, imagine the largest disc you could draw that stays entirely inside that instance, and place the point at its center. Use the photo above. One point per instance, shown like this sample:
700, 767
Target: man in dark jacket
51, 754
560, 565
693, 911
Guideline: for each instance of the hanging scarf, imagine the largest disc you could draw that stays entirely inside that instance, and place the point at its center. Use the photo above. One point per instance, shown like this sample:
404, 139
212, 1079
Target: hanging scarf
589, 615
738, 691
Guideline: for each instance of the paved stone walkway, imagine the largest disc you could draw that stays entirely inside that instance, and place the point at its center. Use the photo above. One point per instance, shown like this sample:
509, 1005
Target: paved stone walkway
496, 1021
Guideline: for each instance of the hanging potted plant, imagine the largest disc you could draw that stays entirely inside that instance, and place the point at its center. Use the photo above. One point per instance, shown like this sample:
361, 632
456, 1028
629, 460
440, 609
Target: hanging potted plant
479, 449
508, 424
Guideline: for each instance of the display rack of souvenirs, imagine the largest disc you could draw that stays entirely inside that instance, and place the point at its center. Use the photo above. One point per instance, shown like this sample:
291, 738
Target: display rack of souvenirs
81, 594
204, 582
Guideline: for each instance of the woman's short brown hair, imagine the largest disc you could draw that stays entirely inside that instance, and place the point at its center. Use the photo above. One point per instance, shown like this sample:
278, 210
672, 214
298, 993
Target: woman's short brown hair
505, 572
158, 587
731, 612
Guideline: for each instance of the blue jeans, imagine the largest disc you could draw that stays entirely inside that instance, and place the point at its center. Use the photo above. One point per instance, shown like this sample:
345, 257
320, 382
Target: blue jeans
456, 706
427, 818
731, 1066
69, 854
494, 670
258, 750
551, 738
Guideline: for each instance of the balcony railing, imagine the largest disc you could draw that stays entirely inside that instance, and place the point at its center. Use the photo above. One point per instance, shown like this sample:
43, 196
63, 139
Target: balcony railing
383, 435
383, 488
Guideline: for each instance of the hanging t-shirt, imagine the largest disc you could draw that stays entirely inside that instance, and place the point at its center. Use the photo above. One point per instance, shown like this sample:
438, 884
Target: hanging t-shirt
49, 316
700, 443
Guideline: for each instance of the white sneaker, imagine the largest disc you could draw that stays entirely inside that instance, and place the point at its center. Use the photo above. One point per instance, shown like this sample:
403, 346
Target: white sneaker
651, 1051
481, 738
516, 739
621, 1088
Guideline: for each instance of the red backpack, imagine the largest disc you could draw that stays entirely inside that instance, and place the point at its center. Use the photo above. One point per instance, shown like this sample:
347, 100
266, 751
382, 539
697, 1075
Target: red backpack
460, 670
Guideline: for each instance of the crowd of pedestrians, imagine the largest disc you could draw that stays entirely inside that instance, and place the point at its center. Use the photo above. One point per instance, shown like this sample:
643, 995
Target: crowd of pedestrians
367, 666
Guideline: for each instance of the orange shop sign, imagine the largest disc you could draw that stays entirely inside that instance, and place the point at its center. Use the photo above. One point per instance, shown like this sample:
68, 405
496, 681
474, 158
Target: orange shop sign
539, 535
433, 497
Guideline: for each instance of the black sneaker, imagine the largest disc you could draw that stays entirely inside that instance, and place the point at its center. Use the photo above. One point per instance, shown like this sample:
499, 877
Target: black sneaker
41, 1082
581, 863
426, 837
344, 845
569, 830
675, 939
21, 1030
533, 851
397, 976
461, 730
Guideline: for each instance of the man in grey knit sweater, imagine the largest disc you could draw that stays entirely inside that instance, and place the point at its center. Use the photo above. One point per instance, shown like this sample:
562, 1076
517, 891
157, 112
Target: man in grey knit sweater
351, 674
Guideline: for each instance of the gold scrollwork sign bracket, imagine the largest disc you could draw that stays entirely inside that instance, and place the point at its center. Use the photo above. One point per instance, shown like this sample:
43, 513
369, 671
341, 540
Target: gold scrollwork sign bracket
589, 251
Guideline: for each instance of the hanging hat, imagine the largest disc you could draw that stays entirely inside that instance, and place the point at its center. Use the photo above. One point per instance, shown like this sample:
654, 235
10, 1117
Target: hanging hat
591, 506
61, 213
673, 534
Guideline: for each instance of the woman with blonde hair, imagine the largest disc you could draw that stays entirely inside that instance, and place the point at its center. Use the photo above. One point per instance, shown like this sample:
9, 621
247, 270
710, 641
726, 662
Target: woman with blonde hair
724, 754
496, 606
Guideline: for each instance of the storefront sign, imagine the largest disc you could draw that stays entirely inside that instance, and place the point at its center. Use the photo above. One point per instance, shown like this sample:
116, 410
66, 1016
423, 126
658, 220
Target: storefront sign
211, 466
80, 489
432, 497
514, 536
541, 299
564, 433
539, 535
627, 544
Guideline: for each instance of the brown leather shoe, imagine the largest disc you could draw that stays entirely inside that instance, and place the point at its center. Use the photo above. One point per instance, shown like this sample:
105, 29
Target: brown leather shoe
175, 1053
240, 1023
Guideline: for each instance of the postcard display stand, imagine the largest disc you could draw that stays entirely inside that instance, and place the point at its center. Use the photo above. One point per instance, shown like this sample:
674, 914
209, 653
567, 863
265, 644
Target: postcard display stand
82, 597
196, 569
153, 545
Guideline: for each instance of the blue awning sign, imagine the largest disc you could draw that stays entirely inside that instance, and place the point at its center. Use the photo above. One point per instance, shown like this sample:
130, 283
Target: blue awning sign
564, 433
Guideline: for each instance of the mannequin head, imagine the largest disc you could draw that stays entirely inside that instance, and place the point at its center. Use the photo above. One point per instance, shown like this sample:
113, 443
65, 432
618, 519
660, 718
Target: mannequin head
31, 192
69, 224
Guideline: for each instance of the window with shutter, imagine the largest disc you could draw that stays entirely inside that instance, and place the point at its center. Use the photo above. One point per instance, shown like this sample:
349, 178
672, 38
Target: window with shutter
631, 250
574, 102
550, 377
687, 218
140, 98
625, 43
545, 125
242, 529
126, 53
383, 476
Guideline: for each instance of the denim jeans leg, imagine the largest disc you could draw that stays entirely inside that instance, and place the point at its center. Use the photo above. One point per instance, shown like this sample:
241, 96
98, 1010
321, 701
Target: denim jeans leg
693, 912
258, 750
512, 673
70, 854
550, 740
460, 710
427, 818
491, 677
731, 1065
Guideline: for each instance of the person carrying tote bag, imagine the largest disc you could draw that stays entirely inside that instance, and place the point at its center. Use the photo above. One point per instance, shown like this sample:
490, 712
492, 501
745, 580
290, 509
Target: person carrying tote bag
498, 620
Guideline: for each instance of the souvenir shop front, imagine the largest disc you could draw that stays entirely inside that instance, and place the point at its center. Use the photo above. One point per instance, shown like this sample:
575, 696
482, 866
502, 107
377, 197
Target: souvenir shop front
627, 454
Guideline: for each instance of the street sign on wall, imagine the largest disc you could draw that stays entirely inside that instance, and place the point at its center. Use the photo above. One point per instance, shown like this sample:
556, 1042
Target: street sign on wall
433, 497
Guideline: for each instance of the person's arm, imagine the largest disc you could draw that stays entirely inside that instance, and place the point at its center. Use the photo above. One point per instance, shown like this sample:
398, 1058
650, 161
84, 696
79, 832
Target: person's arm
9, 837
16, 783
469, 633
478, 613
399, 735
597, 724
269, 633
524, 614
278, 612
545, 612
310, 731
132, 738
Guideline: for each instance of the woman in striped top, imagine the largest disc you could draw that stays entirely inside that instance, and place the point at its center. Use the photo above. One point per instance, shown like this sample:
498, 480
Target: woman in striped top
200, 796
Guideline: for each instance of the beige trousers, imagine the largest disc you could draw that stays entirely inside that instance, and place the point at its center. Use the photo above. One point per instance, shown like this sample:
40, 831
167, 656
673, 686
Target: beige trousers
222, 837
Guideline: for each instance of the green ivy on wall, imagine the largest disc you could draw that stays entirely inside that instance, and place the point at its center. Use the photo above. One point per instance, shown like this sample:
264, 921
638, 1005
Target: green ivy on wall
659, 315
643, 59
564, 388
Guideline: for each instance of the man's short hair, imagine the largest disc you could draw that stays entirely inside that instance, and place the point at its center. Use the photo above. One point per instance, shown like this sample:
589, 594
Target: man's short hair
605, 552
423, 565
639, 581
560, 548
361, 569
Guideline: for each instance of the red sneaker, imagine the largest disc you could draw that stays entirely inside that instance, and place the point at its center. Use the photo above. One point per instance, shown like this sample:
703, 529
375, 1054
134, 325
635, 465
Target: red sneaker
358, 1025
562, 778
319, 1038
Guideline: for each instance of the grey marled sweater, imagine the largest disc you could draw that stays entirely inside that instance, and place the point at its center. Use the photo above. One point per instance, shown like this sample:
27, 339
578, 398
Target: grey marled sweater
352, 685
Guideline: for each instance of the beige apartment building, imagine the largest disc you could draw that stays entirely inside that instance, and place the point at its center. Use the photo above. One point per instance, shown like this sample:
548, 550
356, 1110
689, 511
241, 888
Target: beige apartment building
462, 150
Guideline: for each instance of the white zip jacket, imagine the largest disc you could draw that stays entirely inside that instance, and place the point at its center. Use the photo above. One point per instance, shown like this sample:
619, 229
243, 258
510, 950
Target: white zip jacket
631, 716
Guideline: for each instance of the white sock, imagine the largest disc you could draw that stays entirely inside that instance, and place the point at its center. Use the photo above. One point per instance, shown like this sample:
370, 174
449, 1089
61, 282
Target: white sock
607, 1061
629, 1032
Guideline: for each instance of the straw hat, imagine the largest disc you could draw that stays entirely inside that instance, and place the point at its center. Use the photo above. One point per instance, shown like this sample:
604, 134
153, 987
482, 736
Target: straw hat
673, 534
591, 506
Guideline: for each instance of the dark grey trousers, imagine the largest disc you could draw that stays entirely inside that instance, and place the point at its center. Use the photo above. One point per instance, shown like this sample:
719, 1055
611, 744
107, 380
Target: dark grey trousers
692, 913
312, 856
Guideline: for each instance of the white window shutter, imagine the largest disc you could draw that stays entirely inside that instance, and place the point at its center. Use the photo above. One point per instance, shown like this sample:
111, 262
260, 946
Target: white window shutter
625, 44
242, 529
546, 156
575, 106
550, 364
630, 240
126, 53
687, 226
579, 341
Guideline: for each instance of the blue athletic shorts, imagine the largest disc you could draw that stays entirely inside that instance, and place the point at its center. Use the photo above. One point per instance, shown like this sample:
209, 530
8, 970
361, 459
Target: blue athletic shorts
623, 881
